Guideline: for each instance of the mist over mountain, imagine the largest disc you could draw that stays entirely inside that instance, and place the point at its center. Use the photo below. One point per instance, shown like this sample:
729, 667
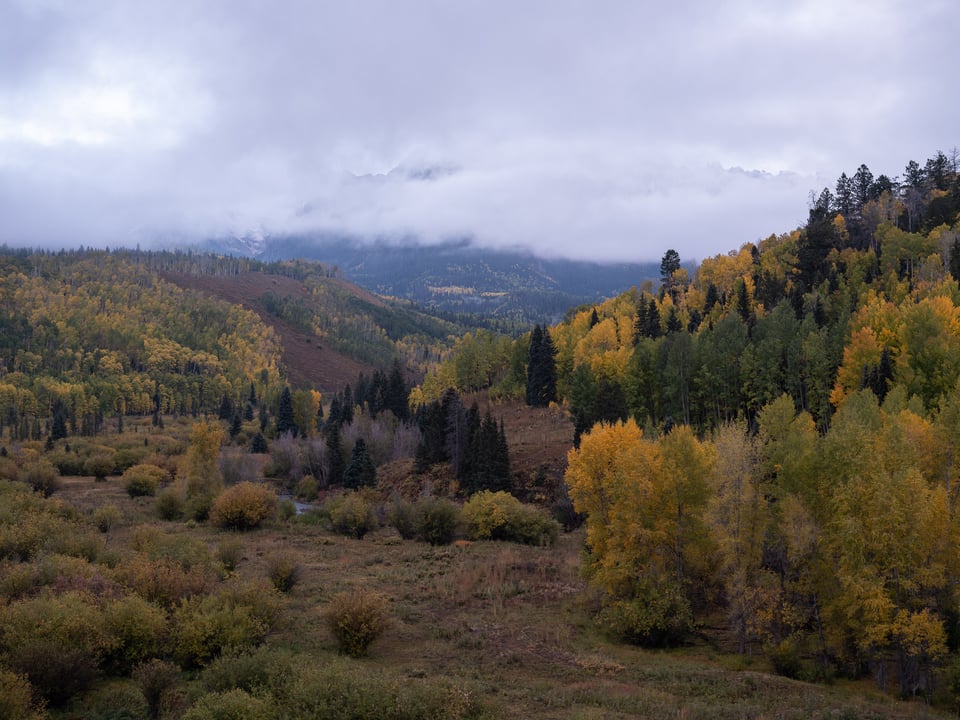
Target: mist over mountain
455, 276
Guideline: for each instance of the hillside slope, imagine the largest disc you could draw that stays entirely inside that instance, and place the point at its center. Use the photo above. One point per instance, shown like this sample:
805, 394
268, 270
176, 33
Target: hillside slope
306, 362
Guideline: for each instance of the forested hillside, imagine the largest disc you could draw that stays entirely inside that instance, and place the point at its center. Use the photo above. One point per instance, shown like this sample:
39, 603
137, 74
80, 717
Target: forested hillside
772, 435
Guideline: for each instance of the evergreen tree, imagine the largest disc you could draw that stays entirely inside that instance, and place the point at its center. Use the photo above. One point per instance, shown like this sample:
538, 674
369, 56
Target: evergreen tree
673, 321
653, 329
58, 429
541, 369
226, 408
258, 444
285, 422
346, 406
396, 397
236, 425
336, 465
360, 472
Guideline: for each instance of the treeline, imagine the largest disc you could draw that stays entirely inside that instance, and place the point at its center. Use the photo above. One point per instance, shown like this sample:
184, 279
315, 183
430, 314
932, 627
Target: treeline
863, 299
97, 336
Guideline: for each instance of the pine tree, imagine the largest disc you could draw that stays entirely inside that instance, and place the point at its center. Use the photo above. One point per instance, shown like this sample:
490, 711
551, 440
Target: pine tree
397, 393
361, 471
541, 369
258, 444
285, 421
335, 462
58, 430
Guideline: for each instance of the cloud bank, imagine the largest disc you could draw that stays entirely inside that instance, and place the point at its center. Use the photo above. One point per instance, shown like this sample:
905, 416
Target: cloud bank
588, 130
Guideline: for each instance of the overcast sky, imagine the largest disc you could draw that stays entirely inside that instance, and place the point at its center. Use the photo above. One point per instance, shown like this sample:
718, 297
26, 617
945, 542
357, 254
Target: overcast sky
590, 129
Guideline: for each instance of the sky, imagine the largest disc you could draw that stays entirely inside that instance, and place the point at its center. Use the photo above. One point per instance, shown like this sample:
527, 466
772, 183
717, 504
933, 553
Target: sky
589, 129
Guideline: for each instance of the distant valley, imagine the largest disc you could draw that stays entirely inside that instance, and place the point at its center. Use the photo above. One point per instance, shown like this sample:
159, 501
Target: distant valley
512, 287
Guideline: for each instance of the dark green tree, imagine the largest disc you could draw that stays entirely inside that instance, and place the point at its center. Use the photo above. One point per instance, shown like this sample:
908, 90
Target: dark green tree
541, 369
58, 429
258, 444
336, 465
285, 422
360, 471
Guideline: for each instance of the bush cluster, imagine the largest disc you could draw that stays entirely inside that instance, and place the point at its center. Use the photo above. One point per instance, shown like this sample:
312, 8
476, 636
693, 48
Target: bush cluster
143, 479
500, 516
431, 519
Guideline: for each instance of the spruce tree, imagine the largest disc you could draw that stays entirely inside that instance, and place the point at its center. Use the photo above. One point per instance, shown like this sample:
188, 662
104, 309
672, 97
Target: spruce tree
285, 422
541, 369
360, 472
335, 462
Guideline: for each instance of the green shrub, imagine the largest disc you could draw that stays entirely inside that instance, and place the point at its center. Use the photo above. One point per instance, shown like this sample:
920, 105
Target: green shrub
352, 514
235, 618
654, 617
307, 488
500, 516
250, 670
143, 480
137, 628
156, 678
437, 520
16, 697
57, 672
243, 506
402, 516
169, 505
99, 466
232, 705
346, 690
287, 509
283, 571
41, 476
229, 553
106, 517
356, 619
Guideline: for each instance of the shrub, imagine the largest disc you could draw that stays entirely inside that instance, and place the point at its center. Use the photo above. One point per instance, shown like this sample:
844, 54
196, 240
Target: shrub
163, 580
99, 466
249, 670
230, 620
283, 571
16, 697
229, 553
500, 516
41, 476
143, 480
243, 506
106, 517
232, 705
307, 488
356, 619
352, 514
155, 677
654, 617
137, 628
437, 520
169, 505
402, 515
287, 509
55, 671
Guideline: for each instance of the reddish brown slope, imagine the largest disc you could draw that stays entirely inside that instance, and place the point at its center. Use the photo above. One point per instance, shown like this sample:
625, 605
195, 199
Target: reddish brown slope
306, 362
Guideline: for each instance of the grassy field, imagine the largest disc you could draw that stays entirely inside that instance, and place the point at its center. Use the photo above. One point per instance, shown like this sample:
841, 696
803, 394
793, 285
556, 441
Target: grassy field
503, 626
